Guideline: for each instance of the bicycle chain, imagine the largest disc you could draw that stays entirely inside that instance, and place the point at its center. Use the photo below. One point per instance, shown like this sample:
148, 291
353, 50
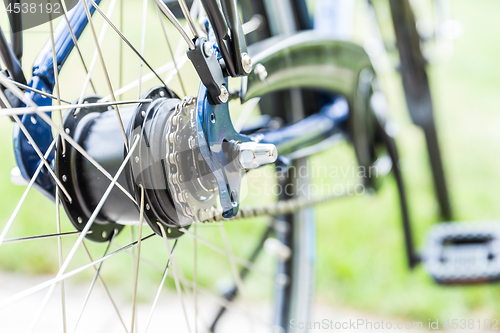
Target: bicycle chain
183, 154
205, 215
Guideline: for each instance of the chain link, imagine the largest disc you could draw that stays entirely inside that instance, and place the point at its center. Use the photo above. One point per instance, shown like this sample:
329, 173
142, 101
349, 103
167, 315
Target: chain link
280, 207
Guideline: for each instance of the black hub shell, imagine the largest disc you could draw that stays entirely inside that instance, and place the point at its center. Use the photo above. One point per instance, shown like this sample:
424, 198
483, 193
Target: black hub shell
98, 132
150, 170
94, 129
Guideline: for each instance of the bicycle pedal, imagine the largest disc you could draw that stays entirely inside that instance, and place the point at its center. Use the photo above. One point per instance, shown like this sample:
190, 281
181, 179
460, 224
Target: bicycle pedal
463, 253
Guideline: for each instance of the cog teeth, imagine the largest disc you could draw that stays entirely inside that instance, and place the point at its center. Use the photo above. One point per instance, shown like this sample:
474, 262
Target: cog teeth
182, 124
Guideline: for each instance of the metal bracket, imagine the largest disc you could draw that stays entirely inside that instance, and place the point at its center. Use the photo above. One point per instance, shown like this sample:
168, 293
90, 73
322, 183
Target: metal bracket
204, 59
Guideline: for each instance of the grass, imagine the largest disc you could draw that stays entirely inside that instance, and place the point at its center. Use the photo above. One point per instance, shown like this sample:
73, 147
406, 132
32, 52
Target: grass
361, 261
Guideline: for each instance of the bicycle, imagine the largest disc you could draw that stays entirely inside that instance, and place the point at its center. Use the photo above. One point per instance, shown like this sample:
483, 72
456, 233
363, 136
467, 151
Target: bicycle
175, 163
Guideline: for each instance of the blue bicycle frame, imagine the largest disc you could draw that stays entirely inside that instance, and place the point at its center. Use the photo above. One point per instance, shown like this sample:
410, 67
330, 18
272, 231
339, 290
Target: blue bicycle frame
43, 79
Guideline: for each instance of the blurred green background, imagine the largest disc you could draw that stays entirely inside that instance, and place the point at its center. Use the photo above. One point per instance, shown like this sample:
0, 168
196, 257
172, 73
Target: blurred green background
361, 260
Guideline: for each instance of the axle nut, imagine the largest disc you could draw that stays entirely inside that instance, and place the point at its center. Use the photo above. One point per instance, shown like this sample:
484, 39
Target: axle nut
252, 155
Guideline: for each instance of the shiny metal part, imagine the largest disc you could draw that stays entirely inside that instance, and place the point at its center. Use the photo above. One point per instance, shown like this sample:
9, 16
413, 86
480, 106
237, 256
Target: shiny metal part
208, 49
171, 17
193, 188
252, 155
224, 95
187, 15
246, 62
261, 72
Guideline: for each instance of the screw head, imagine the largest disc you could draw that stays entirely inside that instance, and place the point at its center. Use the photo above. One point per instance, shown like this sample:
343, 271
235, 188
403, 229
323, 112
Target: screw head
137, 159
224, 94
64, 178
208, 49
246, 62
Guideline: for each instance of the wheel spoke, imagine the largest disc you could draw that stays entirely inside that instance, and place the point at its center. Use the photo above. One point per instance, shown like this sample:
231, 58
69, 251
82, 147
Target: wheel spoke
92, 284
60, 260
230, 295
168, 67
188, 18
176, 276
42, 158
56, 77
122, 36
223, 302
14, 298
111, 8
82, 235
50, 108
236, 273
143, 43
242, 262
58, 235
25, 194
171, 17
19, 94
176, 66
144, 260
120, 48
195, 279
106, 75
36, 148
43, 93
75, 41
105, 287
158, 292
136, 275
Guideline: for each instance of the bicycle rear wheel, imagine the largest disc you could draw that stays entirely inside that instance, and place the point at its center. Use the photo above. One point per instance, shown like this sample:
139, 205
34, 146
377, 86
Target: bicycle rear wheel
93, 147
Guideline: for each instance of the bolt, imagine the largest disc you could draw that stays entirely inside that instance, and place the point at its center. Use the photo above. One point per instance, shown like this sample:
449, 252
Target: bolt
137, 159
252, 155
208, 49
64, 178
162, 93
67, 131
79, 219
261, 72
143, 114
224, 94
246, 62
147, 207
